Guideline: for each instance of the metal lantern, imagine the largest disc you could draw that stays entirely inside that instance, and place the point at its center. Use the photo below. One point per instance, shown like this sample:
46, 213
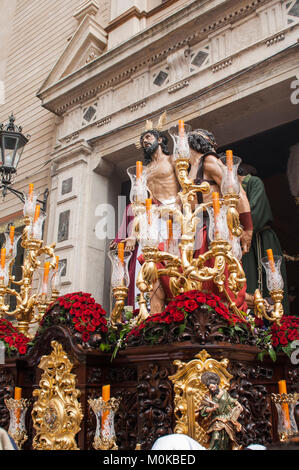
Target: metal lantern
12, 143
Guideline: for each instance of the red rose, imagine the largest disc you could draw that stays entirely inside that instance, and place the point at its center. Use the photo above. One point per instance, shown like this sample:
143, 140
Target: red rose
85, 337
104, 329
19, 339
191, 305
201, 298
212, 303
79, 327
180, 304
90, 328
22, 349
95, 322
283, 341
179, 316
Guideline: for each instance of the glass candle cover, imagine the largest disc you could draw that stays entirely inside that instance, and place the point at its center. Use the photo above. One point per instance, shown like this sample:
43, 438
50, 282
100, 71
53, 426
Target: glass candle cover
273, 277
56, 278
45, 276
139, 190
230, 182
180, 141
36, 227
149, 232
120, 271
11, 247
218, 231
30, 203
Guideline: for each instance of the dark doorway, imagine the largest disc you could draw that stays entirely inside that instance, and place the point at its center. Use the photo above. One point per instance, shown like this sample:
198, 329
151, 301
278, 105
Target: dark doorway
269, 152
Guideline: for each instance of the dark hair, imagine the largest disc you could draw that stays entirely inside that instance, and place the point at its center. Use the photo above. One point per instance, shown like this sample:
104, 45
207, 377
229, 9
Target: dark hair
208, 378
163, 144
245, 169
202, 141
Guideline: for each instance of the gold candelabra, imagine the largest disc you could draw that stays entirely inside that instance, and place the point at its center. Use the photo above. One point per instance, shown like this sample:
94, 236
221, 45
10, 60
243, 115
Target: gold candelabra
30, 307
184, 270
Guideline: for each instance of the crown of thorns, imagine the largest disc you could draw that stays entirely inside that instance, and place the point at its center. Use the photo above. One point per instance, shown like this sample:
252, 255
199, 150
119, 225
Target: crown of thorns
205, 136
149, 126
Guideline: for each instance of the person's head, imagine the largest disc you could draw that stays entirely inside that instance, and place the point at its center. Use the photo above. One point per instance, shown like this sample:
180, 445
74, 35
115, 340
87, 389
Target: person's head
150, 141
245, 169
212, 381
202, 141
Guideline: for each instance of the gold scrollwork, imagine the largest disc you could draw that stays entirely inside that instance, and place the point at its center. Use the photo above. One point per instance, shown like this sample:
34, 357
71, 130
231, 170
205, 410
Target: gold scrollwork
57, 412
189, 392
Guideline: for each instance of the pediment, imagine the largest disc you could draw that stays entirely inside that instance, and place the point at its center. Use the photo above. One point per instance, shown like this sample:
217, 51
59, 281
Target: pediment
87, 43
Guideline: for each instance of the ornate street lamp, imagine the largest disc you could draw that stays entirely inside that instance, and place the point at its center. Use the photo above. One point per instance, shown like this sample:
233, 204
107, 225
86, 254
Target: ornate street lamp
12, 143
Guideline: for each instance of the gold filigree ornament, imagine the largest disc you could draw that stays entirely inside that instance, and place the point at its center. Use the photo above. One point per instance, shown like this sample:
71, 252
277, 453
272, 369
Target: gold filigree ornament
189, 393
57, 413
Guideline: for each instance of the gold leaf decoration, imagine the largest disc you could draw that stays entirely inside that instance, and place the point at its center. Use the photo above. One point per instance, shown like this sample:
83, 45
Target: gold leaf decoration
189, 392
57, 413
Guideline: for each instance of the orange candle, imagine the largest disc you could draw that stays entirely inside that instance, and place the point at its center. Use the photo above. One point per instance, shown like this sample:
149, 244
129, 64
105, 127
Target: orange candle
31, 186
18, 396
282, 388
121, 252
216, 204
12, 233
216, 207
3, 254
138, 169
36, 213
148, 206
46, 277
105, 397
181, 128
170, 231
229, 160
18, 393
271, 260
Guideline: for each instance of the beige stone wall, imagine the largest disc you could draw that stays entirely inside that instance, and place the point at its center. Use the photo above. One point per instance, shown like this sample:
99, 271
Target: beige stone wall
36, 32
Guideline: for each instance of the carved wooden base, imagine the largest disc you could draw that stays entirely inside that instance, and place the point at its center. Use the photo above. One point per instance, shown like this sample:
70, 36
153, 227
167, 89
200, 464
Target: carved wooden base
139, 376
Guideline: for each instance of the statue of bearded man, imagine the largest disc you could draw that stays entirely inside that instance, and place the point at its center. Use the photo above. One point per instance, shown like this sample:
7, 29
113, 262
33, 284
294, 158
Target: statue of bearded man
162, 181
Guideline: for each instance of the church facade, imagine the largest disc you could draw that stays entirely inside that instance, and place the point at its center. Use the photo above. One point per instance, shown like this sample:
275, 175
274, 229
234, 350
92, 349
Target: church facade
83, 77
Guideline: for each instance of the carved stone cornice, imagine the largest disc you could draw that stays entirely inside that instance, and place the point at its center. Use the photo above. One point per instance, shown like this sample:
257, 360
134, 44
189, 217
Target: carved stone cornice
63, 155
61, 95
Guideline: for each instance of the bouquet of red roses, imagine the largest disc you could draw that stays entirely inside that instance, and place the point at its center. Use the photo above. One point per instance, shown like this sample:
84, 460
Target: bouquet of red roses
284, 335
87, 317
15, 342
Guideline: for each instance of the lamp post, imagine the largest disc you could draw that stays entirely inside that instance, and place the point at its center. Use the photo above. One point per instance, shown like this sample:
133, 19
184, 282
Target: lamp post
12, 143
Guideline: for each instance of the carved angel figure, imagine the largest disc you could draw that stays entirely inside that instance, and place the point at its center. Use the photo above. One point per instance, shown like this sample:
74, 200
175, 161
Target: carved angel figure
222, 413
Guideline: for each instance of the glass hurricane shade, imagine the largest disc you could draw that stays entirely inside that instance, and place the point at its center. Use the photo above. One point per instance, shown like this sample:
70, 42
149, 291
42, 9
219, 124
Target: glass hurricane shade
11, 248
56, 278
12, 146
45, 282
120, 271
149, 228
230, 182
273, 276
218, 231
30, 203
139, 190
36, 228
180, 142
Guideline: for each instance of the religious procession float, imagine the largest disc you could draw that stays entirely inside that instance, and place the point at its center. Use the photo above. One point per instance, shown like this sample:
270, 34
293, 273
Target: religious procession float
187, 358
